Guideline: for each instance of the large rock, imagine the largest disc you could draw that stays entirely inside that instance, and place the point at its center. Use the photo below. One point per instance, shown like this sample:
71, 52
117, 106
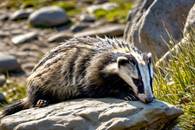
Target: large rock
150, 21
8, 63
94, 114
48, 16
190, 22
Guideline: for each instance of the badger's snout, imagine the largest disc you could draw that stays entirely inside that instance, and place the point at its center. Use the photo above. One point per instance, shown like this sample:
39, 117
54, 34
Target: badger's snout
145, 99
149, 100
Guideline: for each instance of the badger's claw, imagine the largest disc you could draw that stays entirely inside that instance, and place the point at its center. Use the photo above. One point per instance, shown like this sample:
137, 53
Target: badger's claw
41, 103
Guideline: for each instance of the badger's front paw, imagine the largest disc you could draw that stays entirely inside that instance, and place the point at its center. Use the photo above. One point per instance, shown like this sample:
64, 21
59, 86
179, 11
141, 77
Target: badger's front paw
41, 103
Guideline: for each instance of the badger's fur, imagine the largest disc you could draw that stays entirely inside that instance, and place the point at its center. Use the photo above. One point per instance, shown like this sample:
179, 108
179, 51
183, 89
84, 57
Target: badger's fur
88, 68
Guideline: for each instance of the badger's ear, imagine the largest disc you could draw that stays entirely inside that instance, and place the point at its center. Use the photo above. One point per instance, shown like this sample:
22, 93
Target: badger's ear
147, 57
122, 61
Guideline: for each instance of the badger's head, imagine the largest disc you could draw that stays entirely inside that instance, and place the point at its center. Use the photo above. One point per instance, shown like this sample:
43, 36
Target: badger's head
137, 72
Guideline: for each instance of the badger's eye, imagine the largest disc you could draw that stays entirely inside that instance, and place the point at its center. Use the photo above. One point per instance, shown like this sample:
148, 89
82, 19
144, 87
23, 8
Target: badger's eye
139, 83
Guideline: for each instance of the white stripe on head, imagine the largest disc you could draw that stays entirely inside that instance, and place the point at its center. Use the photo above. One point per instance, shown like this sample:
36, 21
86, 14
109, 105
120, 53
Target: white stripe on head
127, 71
123, 73
146, 77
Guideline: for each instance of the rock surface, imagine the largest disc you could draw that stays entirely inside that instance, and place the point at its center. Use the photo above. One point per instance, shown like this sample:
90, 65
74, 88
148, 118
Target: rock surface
48, 17
24, 37
109, 6
87, 18
93, 114
106, 6
8, 63
107, 30
190, 22
4, 34
21, 14
2, 98
150, 21
79, 27
4, 17
60, 37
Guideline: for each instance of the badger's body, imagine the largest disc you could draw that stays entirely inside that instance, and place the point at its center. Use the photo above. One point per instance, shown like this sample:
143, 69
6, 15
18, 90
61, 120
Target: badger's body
88, 68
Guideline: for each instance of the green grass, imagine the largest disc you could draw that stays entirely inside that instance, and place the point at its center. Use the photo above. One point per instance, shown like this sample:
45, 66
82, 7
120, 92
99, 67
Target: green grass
69, 6
118, 14
13, 91
175, 83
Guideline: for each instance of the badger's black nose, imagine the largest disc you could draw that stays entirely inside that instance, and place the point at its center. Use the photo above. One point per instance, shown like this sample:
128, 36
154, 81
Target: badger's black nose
149, 99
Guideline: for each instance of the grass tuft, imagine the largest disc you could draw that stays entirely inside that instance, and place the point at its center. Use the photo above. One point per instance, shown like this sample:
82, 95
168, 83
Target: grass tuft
13, 91
175, 82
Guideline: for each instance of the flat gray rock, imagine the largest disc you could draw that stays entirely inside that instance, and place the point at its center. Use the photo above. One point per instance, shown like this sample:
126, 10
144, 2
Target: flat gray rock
21, 14
94, 114
79, 27
4, 17
4, 34
48, 17
8, 63
60, 37
105, 6
24, 37
87, 18
107, 30
109, 6
2, 98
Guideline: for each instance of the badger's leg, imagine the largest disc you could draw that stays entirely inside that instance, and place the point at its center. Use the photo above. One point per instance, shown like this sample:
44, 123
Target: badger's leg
39, 98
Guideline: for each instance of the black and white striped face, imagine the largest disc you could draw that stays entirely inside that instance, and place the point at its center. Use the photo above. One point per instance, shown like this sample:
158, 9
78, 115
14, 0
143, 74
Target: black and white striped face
138, 73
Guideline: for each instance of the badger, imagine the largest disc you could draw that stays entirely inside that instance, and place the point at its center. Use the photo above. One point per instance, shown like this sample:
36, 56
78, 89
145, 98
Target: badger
88, 67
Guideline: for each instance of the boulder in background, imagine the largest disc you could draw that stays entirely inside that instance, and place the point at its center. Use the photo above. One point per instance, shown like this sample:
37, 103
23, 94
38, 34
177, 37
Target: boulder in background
151, 21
